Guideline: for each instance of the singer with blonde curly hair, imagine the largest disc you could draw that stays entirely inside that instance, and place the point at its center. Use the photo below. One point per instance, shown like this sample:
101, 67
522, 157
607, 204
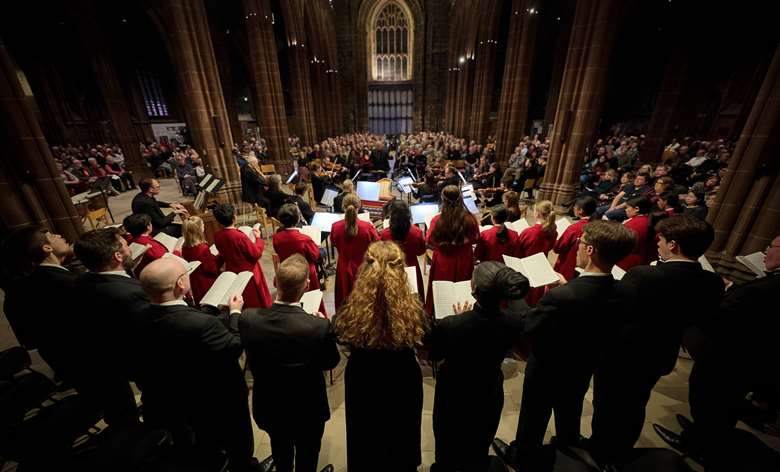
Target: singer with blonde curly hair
382, 322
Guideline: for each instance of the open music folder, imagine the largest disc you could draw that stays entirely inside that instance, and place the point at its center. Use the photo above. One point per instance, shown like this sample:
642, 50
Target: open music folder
754, 262
166, 240
137, 250
226, 285
190, 266
536, 269
310, 301
446, 294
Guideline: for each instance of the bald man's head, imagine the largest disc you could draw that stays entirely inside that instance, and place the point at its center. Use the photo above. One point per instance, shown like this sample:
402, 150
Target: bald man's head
165, 279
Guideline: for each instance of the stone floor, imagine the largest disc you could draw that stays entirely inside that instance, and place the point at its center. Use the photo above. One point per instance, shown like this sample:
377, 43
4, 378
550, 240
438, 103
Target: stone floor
669, 396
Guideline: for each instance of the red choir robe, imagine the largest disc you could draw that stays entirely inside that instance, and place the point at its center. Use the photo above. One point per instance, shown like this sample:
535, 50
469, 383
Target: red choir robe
290, 241
207, 272
451, 262
350, 251
639, 256
566, 248
489, 248
531, 241
156, 250
240, 254
413, 246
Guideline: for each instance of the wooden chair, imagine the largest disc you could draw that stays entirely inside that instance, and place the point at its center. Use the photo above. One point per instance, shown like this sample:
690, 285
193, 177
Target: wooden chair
275, 224
262, 218
96, 216
385, 186
268, 169
310, 196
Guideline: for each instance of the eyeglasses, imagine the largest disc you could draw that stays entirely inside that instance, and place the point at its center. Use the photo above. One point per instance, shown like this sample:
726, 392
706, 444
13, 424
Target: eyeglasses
581, 240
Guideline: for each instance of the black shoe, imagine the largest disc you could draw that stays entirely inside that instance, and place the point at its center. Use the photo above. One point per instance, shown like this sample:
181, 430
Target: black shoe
327, 468
267, 464
671, 438
504, 451
684, 422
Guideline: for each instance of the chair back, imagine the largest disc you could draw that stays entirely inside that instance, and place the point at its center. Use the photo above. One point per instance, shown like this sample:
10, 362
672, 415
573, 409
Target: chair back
95, 217
385, 186
268, 169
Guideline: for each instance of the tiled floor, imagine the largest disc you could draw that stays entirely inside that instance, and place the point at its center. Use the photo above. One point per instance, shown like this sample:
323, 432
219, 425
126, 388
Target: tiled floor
669, 396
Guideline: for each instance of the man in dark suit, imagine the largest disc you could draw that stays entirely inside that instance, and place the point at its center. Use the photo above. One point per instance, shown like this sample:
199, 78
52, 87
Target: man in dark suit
566, 329
658, 305
289, 349
112, 308
306, 212
739, 339
347, 187
145, 203
191, 377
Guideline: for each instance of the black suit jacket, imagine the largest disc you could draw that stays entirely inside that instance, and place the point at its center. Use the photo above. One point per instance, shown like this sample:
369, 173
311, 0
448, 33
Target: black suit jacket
287, 350
658, 305
143, 203
568, 325
304, 207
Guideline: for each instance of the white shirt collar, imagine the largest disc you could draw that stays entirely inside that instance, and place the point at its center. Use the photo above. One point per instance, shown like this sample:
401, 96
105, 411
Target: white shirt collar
593, 274
47, 264
279, 302
116, 272
681, 260
171, 303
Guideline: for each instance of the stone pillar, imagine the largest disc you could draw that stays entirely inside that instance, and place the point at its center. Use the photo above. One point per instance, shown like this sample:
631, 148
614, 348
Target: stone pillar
30, 185
185, 25
516, 83
115, 99
224, 64
746, 215
581, 96
561, 48
484, 69
264, 67
299, 45
666, 104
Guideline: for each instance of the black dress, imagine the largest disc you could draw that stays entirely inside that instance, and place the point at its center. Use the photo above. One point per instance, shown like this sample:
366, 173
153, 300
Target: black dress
383, 397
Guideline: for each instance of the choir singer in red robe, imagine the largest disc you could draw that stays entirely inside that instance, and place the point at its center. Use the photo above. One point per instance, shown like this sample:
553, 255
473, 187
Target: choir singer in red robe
538, 238
638, 221
408, 236
351, 238
195, 248
566, 246
497, 241
240, 254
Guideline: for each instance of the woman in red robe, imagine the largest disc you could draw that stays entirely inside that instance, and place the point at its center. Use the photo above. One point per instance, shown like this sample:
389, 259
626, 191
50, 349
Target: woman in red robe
497, 241
566, 246
240, 254
195, 248
351, 238
538, 238
288, 241
638, 221
139, 227
452, 234
408, 236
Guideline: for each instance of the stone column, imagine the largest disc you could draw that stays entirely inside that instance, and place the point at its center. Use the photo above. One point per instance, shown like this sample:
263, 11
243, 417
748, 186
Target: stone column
666, 104
746, 215
93, 38
30, 185
561, 48
185, 24
484, 69
582, 95
264, 67
516, 83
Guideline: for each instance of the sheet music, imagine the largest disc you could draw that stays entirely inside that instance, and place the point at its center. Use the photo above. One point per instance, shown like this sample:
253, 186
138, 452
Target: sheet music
199, 200
386, 223
217, 291
314, 233
213, 249
405, 184
536, 269
705, 264
205, 180
754, 262
211, 186
484, 228
411, 277
311, 301
328, 196
238, 286
138, 250
324, 220
421, 212
190, 266
617, 272
446, 294
247, 230
368, 191
166, 240
518, 226
561, 224
365, 216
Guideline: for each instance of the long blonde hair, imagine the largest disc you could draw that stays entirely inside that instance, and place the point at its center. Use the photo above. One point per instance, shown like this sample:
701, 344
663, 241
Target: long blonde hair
381, 312
545, 211
351, 205
192, 230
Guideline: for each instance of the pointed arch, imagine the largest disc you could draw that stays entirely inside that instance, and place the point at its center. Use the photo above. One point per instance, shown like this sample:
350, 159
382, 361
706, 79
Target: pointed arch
390, 38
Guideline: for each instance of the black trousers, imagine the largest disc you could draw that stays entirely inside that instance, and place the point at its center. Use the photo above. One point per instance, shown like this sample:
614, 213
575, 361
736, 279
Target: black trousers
549, 388
620, 395
297, 443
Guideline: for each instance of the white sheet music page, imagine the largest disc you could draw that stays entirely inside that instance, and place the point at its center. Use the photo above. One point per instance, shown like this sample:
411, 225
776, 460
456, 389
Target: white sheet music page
217, 291
313, 232
311, 301
411, 278
446, 294
238, 286
166, 240
538, 270
138, 250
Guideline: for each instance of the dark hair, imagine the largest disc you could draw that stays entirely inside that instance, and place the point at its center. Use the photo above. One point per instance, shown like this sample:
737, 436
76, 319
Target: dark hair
672, 200
499, 215
136, 224
400, 220
455, 221
288, 215
692, 234
587, 205
666, 181
224, 214
23, 251
642, 204
96, 248
300, 189
611, 240
644, 175
145, 184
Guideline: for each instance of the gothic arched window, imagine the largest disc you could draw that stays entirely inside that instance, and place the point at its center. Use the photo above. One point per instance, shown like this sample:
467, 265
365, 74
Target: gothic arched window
391, 38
